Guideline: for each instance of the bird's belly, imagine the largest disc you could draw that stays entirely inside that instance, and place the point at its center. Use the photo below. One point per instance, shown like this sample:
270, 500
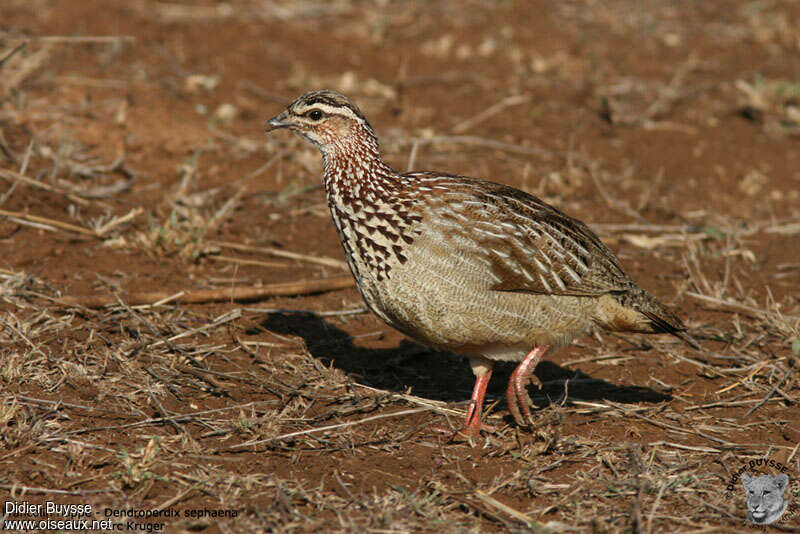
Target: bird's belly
445, 305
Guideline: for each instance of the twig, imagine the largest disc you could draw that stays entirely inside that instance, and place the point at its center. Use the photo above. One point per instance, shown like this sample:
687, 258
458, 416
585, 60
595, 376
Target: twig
745, 379
794, 451
475, 141
412, 157
507, 102
602, 228
11, 52
655, 507
5, 149
243, 261
116, 221
164, 413
494, 503
186, 417
177, 498
39, 226
17, 177
328, 427
600, 407
436, 406
271, 161
92, 82
331, 313
613, 201
32, 62
770, 394
737, 306
685, 447
786, 229
61, 403
13, 488
17, 451
598, 359
320, 260
710, 369
236, 294
720, 404
262, 93
649, 420
669, 95
161, 302
50, 222
82, 38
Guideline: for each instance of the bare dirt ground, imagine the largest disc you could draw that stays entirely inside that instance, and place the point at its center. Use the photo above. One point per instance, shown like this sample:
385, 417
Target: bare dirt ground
132, 159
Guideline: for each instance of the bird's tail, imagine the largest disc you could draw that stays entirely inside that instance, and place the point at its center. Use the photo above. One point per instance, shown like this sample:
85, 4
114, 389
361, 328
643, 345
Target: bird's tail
655, 317
671, 325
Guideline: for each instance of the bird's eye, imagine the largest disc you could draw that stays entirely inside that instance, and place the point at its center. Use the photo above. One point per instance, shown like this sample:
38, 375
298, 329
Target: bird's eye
315, 115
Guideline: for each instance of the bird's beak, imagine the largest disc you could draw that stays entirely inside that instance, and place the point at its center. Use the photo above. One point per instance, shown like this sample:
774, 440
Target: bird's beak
278, 121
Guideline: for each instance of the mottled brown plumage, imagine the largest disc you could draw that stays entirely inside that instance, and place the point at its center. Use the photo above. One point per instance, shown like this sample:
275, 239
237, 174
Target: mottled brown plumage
467, 265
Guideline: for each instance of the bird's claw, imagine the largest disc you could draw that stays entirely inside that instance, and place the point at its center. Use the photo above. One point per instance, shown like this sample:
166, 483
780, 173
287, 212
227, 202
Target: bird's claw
535, 381
519, 402
469, 432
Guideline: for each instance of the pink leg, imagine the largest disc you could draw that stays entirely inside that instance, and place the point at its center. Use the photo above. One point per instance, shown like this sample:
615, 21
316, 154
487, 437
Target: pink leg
516, 395
473, 426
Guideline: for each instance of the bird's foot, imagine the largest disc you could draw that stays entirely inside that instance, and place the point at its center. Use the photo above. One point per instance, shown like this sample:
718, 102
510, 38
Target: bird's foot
469, 432
473, 426
519, 402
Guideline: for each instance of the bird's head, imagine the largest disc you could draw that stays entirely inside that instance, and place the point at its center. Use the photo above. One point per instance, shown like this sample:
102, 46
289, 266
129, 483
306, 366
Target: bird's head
327, 119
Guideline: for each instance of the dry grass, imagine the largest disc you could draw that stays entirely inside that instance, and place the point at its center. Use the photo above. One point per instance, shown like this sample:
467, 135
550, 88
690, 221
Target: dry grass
307, 421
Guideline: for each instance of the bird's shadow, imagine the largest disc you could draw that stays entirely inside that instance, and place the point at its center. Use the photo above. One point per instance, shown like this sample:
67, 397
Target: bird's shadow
437, 375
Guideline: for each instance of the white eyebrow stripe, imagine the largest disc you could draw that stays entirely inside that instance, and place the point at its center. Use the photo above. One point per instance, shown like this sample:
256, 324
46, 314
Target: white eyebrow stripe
330, 110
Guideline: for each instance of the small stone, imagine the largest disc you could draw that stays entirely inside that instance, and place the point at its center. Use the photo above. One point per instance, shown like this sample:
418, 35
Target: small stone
226, 112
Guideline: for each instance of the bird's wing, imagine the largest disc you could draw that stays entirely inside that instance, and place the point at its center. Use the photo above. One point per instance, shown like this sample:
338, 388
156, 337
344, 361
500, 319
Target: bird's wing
530, 246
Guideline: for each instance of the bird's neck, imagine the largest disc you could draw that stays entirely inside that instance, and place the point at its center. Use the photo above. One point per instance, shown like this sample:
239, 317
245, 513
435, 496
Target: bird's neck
355, 173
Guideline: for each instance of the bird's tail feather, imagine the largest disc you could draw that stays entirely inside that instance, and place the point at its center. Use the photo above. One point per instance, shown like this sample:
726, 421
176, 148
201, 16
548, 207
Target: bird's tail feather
671, 325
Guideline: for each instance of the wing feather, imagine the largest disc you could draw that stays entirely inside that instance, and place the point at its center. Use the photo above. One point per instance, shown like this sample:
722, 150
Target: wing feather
531, 246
